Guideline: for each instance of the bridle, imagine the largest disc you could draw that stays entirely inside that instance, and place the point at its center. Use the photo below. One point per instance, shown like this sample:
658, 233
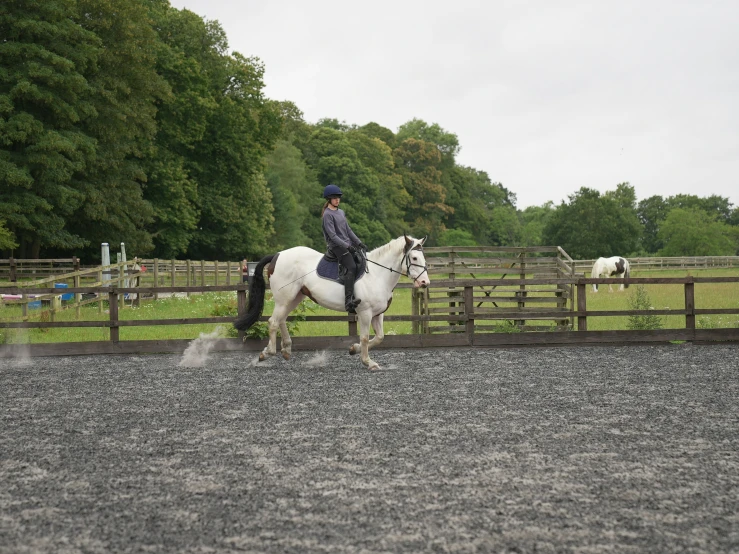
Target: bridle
408, 264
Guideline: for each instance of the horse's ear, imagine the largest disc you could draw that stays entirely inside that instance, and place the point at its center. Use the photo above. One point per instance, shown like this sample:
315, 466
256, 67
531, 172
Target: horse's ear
407, 240
423, 240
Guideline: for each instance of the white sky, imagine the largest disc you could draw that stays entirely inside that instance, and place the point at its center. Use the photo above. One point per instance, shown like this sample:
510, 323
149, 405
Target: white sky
546, 96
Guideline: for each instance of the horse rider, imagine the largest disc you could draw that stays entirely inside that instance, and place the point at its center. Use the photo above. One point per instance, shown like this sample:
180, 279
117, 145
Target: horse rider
341, 240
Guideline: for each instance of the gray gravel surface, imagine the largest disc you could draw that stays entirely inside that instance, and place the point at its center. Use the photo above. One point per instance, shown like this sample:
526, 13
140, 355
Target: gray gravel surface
572, 449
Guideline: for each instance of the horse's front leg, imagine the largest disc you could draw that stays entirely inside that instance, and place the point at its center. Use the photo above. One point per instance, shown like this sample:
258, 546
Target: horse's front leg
364, 326
374, 341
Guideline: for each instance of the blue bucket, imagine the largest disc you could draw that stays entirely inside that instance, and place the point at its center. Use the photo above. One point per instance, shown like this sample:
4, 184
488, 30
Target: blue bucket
67, 296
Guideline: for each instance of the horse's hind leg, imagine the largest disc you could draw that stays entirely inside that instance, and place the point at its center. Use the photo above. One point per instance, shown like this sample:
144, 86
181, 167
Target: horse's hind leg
287, 342
277, 321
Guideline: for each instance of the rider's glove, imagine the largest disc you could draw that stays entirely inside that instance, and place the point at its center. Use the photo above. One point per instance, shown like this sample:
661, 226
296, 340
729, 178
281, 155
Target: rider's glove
352, 249
362, 246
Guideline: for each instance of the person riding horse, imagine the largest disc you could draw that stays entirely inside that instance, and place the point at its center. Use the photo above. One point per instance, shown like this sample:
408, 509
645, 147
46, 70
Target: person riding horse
342, 242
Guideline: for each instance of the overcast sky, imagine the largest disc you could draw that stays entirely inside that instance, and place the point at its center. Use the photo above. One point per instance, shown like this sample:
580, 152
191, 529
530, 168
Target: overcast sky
545, 96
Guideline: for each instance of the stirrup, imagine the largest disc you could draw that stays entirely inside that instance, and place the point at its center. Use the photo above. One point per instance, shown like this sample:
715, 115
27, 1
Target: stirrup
351, 305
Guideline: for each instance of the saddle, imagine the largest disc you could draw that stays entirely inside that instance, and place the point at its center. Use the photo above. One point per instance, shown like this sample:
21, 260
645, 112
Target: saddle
330, 268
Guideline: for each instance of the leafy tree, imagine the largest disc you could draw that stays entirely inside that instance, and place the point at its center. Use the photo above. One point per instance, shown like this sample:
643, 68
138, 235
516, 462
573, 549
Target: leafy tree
651, 212
293, 191
392, 198
418, 164
127, 88
639, 300
693, 232
456, 237
591, 225
233, 197
46, 59
331, 155
484, 209
714, 205
446, 142
7, 240
374, 130
533, 221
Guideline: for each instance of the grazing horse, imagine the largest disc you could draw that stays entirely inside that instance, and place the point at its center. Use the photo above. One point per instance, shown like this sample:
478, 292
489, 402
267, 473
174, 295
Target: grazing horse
610, 267
293, 276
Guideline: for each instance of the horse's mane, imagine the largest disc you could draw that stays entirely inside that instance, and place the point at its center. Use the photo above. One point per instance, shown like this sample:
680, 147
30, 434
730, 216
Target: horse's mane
380, 250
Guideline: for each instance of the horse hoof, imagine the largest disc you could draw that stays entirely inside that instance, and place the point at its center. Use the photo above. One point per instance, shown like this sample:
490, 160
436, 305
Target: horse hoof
352, 350
262, 357
374, 367
286, 355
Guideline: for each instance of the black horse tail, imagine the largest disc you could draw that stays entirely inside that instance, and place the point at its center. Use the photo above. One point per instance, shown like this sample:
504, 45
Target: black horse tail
256, 297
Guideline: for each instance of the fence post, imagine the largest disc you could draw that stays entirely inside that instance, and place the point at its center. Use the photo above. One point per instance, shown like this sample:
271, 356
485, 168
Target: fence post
13, 270
156, 278
353, 325
77, 295
241, 307
187, 283
414, 311
469, 312
690, 303
228, 273
173, 269
582, 320
100, 294
215, 270
202, 273
113, 312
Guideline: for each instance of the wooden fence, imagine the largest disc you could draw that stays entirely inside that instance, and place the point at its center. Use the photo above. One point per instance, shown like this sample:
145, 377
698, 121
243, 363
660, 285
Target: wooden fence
469, 321
512, 269
657, 263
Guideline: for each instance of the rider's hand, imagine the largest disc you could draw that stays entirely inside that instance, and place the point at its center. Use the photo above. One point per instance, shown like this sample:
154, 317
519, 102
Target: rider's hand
362, 246
352, 249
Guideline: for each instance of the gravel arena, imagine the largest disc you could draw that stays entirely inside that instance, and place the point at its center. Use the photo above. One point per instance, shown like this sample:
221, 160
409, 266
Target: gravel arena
556, 449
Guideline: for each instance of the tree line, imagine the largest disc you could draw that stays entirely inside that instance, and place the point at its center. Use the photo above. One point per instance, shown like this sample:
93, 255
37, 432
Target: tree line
130, 121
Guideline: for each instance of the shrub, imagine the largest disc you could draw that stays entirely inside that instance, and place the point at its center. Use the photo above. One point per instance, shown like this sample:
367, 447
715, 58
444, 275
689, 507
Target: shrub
639, 300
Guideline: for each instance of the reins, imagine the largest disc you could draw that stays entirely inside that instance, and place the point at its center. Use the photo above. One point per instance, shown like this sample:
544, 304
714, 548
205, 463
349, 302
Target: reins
408, 265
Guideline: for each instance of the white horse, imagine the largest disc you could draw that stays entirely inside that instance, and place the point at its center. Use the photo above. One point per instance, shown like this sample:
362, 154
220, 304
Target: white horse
610, 267
292, 276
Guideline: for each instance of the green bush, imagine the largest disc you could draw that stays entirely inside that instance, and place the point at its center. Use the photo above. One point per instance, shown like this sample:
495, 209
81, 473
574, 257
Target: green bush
640, 300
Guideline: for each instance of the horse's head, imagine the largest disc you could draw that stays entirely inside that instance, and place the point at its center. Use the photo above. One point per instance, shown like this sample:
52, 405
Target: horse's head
415, 262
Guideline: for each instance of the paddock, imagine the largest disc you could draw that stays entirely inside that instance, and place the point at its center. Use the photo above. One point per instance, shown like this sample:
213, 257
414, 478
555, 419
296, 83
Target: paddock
549, 449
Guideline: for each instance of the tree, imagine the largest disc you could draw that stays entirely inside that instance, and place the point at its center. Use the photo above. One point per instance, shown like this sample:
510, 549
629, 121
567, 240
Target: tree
293, 190
446, 142
693, 232
456, 237
533, 221
651, 212
591, 225
126, 90
418, 164
7, 240
45, 93
333, 158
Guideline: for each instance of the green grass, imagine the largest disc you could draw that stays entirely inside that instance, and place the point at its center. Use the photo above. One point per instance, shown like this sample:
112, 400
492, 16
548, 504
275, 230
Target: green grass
716, 295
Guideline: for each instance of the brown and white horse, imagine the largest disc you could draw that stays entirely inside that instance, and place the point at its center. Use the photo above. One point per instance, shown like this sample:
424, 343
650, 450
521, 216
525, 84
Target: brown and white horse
615, 266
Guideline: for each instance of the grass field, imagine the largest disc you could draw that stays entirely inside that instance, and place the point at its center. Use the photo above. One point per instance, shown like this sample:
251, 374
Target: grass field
718, 295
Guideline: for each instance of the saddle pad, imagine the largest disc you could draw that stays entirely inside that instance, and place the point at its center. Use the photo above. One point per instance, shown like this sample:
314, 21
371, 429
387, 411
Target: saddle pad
330, 270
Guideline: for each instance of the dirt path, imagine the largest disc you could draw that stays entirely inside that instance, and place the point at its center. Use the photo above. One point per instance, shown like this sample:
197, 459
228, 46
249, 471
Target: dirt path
599, 449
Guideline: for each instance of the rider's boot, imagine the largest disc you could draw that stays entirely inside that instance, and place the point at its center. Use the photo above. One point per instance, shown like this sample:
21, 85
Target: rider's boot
350, 303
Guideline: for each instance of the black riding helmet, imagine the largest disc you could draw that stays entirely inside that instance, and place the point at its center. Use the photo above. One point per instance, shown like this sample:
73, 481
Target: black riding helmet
331, 191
